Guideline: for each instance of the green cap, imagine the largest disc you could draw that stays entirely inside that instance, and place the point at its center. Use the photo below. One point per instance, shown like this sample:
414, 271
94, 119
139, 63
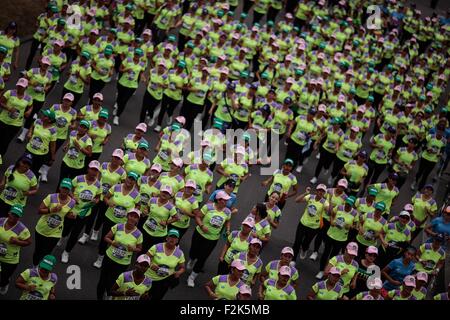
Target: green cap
270, 23
129, 6
285, 30
133, 175
217, 124
220, 13
230, 13
335, 121
113, 30
370, 98
390, 66
172, 38
338, 84
398, 78
372, 191
358, 60
428, 109
244, 74
208, 156
66, 183
54, 9
352, 90
108, 50
422, 97
265, 75
61, 21
143, 145
85, 123
191, 45
182, 64
296, 29
17, 209
289, 161
243, 15
104, 113
213, 59
350, 200
371, 70
173, 233
139, 52
429, 86
380, 206
239, 26
48, 263
86, 54
299, 72
49, 113
356, 42
343, 23
3, 49
322, 45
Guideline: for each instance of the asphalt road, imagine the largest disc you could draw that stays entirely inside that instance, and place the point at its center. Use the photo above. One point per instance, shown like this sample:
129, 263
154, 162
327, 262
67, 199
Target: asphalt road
250, 193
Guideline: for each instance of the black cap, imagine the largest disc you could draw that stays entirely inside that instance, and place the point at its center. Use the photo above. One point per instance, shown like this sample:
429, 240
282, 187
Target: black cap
230, 182
312, 111
231, 86
393, 176
27, 157
287, 100
266, 108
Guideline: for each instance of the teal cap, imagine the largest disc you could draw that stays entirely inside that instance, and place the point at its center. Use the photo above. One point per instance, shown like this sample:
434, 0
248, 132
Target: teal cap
17, 210
133, 175
175, 126
352, 90
108, 50
338, 84
350, 200
243, 15
422, 97
299, 72
85, 123
86, 54
191, 45
322, 45
370, 98
218, 124
220, 13
182, 64
3, 49
265, 75
172, 38
244, 74
270, 23
372, 191
61, 21
49, 113
143, 145
104, 113
139, 52
380, 206
289, 161
66, 183
48, 263
173, 233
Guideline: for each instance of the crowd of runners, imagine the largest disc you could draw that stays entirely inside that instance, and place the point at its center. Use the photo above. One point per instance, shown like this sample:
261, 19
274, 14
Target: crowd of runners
313, 75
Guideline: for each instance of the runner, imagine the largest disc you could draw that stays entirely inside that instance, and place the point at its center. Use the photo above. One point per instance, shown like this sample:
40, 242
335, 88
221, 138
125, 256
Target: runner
278, 289
187, 207
225, 287
329, 289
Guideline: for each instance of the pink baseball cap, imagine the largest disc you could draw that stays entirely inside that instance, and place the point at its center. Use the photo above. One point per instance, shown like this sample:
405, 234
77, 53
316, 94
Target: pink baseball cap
46, 60
98, 96
144, 258
289, 15
147, 32
224, 70
255, 29
135, 210
408, 207
355, 128
290, 80
285, 271
343, 183
322, 108
335, 271
320, 81
118, 153
422, 276
372, 250
398, 88
191, 184
350, 72
441, 77
409, 281
245, 289
142, 126
178, 162
238, 265
95, 31
321, 187
59, 42
156, 167
249, 221
256, 241
244, 49
289, 57
22, 82
69, 96
217, 21
429, 94
352, 248
235, 36
222, 57
341, 98
408, 79
180, 119
287, 250
362, 109
94, 164
348, 47
167, 189
321, 56
302, 46
381, 40
368, 297
326, 70
222, 195
162, 63
313, 82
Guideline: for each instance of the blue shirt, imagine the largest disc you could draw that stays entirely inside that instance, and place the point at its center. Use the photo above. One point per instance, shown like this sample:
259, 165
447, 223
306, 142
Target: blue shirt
438, 225
398, 271
230, 202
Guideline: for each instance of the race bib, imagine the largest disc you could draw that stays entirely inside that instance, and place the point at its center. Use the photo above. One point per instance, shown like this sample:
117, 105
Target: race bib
312, 210
331, 145
54, 221
73, 79
61, 122
10, 193
152, 224
277, 187
348, 153
39, 89
14, 114
72, 153
198, 190
164, 155
154, 86
163, 271
301, 135
340, 222
86, 196
119, 212
34, 295
145, 198
243, 112
3, 249
119, 252
36, 143
369, 235
172, 86
216, 222
245, 275
380, 154
105, 188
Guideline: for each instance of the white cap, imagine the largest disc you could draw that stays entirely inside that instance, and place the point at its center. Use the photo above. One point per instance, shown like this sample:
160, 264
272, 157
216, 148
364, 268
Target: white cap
118, 153
69, 96
98, 96
144, 258
94, 164
249, 221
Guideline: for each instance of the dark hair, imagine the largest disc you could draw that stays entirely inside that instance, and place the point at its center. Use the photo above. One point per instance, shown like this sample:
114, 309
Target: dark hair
12, 25
16, 165
262, 210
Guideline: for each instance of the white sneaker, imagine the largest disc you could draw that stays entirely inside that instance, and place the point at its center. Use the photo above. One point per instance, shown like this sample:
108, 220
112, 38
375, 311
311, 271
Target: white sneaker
303, 254
330, 180
157, 128
60, 242
116, 120
4, 290
314, 255
23, 134
151, 122
190, 264
318, 156
84, 238
43, 177
313, 180
319, 276
413, 186
169, 120
65, 257
94, 235
299, 169
191, 279
98, 263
